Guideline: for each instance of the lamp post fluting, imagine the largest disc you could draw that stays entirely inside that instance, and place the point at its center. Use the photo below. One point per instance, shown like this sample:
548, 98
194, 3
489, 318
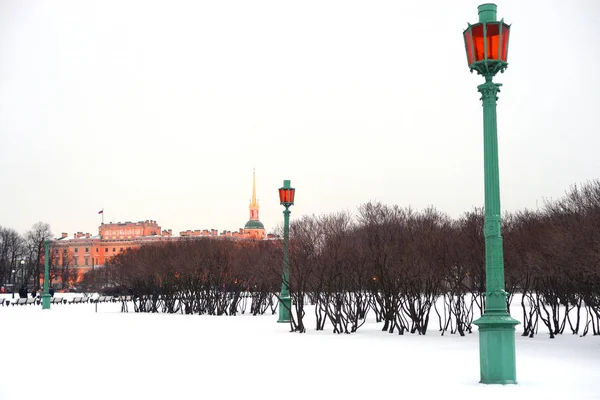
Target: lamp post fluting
46, 295
286, 198
487, 47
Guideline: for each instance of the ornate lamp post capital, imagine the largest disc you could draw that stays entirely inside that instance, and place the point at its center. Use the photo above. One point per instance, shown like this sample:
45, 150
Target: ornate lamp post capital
489, 91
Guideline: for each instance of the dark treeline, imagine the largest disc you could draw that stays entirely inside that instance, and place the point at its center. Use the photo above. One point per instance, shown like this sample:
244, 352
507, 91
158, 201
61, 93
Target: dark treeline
22, 259
195, 276
402, 266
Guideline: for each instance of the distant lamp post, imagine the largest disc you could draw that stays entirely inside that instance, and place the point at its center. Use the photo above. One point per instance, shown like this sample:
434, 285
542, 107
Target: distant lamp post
286, 198
46, 295
14, 276
22, 273
486, 44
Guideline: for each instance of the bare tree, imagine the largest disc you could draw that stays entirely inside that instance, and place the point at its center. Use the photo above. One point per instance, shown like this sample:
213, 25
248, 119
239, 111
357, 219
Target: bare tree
35, 243
11, 252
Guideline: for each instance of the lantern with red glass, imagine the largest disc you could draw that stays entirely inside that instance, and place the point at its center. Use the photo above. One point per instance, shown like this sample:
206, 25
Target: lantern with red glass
286, 198
286, 194
486, 42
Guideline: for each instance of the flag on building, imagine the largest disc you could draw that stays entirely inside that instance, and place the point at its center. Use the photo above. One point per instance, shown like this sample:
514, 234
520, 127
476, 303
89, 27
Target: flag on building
101, 211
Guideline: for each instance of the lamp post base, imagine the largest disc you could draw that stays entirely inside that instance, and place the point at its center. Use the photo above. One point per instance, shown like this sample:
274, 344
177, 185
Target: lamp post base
46, 302
497, 348
284, 307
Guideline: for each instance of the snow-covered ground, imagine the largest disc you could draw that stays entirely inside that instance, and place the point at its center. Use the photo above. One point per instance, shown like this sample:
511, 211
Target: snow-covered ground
73, 352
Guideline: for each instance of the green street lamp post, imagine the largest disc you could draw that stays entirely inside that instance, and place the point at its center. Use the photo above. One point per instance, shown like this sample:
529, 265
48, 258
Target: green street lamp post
486, 43
14, 281
46, 295
286, 198
22, 273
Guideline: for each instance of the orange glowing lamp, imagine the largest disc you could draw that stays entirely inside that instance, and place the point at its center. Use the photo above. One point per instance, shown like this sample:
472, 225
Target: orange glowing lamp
286, 194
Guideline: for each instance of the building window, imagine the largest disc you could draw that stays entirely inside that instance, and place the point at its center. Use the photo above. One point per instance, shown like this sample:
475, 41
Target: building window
97, 249
76, 249
86, 261
76, 261
121, 249
86, 250
114, 249
106, 249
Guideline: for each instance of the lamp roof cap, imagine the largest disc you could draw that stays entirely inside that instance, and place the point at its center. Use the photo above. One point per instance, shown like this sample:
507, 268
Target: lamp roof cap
487, 12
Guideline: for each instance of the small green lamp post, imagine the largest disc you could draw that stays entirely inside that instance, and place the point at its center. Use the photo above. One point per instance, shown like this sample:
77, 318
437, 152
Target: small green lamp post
286, 198
46, 295
23, 273
487, 46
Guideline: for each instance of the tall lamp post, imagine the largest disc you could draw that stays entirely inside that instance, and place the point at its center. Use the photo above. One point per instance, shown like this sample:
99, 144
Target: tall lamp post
486, 43
14, 278
22, 273
46, 295
286, 198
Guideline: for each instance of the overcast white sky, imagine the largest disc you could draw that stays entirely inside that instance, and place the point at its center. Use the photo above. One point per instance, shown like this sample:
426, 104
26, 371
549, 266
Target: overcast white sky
160, 110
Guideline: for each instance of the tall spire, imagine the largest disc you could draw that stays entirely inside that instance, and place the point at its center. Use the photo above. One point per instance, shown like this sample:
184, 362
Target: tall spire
253, 204
254, 227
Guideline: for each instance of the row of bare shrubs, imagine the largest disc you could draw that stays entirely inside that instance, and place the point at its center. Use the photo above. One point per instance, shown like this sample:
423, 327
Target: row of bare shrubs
402, 266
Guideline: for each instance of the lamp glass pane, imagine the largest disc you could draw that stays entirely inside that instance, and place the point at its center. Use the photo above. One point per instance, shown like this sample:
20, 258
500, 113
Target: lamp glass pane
281, 196
286, 196
469, 46
493, 40
478, 41
505, 34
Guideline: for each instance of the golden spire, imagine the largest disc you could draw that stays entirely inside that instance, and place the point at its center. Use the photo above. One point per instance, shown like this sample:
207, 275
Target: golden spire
253, 204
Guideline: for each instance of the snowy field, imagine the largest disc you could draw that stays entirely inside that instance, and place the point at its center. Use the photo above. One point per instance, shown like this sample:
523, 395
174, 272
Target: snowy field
73, 352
